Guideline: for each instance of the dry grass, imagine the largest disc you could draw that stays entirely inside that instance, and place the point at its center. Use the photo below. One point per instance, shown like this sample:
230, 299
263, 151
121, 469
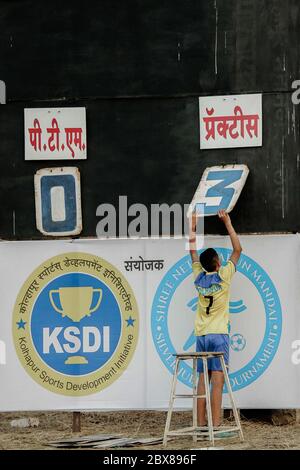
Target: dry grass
259, 434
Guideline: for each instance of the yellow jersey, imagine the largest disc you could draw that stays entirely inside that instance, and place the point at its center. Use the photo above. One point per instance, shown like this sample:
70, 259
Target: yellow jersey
213, 303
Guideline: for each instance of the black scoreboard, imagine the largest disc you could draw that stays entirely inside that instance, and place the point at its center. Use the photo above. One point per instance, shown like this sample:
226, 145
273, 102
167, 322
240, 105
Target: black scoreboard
139, 68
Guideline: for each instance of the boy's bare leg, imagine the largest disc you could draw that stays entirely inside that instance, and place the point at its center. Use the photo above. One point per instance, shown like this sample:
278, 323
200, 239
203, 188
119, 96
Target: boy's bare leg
217, 381
201, 402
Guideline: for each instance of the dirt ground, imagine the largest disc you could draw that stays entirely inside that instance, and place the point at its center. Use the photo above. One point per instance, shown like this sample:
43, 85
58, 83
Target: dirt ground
259, 433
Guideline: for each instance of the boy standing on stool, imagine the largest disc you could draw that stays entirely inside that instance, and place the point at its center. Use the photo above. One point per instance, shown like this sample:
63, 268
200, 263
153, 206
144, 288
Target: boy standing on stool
212, 281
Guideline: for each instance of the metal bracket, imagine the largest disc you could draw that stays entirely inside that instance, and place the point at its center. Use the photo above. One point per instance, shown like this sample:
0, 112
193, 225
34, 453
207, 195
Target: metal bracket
2, 92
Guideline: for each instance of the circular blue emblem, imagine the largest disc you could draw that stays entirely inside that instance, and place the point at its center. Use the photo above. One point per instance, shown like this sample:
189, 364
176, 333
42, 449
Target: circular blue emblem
76, 324
273, 320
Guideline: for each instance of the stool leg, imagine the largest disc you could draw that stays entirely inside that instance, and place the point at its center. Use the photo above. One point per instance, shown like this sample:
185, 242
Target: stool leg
208, 403
194, 396
234, 409
171, 403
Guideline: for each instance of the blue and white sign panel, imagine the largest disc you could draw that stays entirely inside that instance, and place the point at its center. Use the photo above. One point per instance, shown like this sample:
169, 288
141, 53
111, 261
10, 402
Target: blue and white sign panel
219, 188
264, 323
58, 201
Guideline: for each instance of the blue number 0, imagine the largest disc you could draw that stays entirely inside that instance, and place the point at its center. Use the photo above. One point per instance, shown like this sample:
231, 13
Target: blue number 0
67, 182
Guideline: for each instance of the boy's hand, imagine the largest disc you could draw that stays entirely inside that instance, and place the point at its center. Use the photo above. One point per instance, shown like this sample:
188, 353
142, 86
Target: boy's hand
224, 217
194, 222
193, 248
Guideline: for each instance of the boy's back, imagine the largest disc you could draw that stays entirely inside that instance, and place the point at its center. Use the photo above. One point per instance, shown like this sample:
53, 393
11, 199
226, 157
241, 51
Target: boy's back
213, 303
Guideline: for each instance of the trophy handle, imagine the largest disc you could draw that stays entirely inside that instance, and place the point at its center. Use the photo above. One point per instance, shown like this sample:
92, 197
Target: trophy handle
52, 300
99, 300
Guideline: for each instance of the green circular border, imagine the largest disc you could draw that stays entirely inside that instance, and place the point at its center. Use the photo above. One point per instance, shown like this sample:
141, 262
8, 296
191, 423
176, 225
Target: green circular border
35, 283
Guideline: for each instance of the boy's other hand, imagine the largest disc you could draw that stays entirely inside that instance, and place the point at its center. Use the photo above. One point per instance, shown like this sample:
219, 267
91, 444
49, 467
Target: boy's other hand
224, 217
236, 245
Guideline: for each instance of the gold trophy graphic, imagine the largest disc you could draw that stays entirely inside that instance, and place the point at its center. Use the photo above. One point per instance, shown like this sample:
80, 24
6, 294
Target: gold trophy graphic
76, 303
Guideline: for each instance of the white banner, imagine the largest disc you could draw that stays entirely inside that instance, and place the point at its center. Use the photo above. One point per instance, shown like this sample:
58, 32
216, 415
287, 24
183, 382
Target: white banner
55, 134
230, 121
93, 324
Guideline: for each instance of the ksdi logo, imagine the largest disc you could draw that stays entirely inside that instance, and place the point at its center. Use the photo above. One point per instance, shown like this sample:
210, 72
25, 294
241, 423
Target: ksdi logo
79, 314
75, 324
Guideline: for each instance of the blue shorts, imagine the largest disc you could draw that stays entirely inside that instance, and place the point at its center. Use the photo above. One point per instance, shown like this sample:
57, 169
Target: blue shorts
213, 343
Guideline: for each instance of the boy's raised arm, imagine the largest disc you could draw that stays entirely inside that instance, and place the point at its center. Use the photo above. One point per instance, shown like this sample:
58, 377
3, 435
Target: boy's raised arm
192, 238
236, 245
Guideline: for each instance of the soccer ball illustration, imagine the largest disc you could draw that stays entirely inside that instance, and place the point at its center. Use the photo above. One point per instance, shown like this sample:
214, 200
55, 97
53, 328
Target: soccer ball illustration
237, 342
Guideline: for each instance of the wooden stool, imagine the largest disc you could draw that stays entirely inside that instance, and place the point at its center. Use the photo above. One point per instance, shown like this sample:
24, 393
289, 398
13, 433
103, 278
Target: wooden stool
195, 430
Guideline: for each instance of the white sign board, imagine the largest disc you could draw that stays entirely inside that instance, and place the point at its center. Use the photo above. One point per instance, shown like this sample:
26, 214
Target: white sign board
230, 121
219, 188
93, 324
55, 134
2, 92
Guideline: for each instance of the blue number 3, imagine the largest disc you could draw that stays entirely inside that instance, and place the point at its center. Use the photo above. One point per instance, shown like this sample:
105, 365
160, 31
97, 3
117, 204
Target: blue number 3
221, 189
